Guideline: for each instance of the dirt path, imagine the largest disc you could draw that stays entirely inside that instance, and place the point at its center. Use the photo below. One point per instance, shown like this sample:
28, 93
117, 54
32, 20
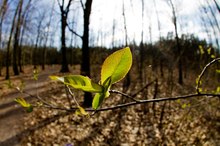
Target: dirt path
11, 114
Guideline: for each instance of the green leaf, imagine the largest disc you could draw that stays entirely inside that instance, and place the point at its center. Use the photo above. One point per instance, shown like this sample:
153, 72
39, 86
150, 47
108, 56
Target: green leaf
97, 100
99, 97
116, 65
209, 51
35, 74
82, 83
218, 90
56, 78
201, 50
24, 104
213, 56
218, 71
9, 84
81, 111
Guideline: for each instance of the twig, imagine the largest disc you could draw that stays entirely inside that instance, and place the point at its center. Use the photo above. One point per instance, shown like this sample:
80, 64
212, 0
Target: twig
203, 72
154, 100
74, 32
45, 103
81, 2
147, 85
67, 95
125, 95
73, 96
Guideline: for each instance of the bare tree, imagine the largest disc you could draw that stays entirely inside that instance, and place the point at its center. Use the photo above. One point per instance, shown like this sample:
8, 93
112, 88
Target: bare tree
85, 66
23, 28
3, 11
9, 43
127, 80
16, 38
64, 14
218, 7
46, 37
179, 59
39, 27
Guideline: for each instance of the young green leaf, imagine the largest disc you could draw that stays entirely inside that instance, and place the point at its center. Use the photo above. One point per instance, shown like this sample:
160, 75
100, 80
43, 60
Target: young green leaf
56, 78
24, 104
97, 100
116, 65
81, 111
35, 74
218, 71
99, 97
82, 83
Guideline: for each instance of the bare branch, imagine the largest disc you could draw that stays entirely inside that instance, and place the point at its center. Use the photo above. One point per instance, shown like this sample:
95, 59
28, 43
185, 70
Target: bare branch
83, 7
147, 85
153, 100
203, 72
74, 32
125, 95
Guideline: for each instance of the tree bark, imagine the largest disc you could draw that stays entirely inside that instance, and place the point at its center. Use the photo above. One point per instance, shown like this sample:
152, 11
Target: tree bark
3, 11
16, 39
180, 68
8, 45
85, 66
64, 14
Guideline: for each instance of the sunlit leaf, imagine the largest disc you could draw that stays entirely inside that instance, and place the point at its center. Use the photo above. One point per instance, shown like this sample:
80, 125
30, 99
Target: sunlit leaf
9, 84
23, 103
79, 82
218, 90
56, 78
35, 74
213, 56
107, 85
81, 111
201, 50
184, 105
82, 83
209, 51
218, 71
116, 65
97, 100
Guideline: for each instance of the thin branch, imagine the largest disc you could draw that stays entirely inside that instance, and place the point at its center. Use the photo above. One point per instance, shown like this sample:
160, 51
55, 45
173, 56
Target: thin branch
68, 6
45, 103
71, 30
73, 96
153, 100
203, 72
68, 94
81, 2
147, 85
125, 95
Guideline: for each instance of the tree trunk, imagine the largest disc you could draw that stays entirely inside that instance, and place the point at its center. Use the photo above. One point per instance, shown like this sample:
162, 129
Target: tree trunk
64, 67
85, 66
16, 39
180, 68
64, 14
127, 80
2, 15
47, 35
8, 45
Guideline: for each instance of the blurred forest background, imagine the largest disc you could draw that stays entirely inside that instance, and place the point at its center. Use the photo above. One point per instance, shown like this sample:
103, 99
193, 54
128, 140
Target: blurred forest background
165, 32
171, 41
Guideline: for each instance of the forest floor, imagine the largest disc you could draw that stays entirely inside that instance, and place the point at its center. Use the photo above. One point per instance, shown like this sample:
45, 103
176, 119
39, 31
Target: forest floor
182, 122
11, 114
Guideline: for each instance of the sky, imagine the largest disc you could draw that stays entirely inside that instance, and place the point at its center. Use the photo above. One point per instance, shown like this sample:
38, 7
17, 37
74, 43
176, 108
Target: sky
108, 13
